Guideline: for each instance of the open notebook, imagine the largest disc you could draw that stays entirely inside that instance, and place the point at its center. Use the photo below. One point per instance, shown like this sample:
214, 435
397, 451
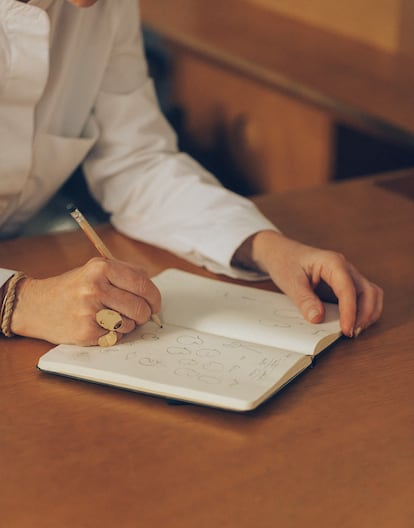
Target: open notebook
221, 344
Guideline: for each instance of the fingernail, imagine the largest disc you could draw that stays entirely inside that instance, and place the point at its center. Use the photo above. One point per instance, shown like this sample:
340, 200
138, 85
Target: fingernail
357, 331
313, 314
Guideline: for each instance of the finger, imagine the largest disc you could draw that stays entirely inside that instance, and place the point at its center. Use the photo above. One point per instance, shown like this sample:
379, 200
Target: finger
366, 299
127, 326
113, 320
370, 304
108, 319
303, 296
339, 278
132, 307
369, 300
127, 277
108, 339
309, 304
379, 305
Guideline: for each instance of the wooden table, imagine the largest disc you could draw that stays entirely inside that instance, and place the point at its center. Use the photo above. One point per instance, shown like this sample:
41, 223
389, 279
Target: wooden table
336, 448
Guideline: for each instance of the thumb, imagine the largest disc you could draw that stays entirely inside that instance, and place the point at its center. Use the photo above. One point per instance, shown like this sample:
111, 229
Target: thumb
309, 304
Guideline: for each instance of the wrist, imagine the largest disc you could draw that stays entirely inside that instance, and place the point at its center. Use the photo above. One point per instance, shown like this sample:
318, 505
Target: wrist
9, 294
18, 318
264, 245
253, 253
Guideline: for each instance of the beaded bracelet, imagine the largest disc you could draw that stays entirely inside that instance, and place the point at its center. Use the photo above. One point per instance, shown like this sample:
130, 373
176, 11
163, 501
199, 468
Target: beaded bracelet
7, 305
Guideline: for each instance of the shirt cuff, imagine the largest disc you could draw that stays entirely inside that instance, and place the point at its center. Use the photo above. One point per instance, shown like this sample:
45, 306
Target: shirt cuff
5, 275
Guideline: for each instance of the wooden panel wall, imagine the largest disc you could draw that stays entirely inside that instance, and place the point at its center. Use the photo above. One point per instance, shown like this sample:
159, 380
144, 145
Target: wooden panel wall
273, 142
271, 88
375, 22
406, 34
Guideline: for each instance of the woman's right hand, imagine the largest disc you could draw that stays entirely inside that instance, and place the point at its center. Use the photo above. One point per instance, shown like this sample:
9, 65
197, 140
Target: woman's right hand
62, 309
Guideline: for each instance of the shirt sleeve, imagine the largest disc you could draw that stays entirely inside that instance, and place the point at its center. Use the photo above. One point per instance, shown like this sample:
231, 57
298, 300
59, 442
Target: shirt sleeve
5, 275
152, 191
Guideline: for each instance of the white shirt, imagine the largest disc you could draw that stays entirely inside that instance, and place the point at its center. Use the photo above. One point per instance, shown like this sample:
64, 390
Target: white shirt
74, 88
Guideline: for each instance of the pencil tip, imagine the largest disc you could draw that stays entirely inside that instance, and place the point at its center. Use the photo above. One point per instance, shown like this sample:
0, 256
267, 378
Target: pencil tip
71, 207
156, 320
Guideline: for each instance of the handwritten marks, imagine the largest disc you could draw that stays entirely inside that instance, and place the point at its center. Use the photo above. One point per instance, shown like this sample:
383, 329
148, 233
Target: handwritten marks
240, 312
267, 343
190, 358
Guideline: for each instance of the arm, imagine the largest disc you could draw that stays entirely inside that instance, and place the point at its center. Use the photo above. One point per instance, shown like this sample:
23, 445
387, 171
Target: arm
165, 198
154, 192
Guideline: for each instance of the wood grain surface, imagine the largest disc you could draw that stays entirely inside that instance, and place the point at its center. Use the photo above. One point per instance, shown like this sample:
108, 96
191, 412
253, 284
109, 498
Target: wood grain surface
336, 448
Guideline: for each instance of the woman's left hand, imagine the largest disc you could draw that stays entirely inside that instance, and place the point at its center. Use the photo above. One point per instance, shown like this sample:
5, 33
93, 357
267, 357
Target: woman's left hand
299, 270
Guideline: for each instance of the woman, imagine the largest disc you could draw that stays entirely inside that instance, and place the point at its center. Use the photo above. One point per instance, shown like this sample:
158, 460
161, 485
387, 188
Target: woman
74, 88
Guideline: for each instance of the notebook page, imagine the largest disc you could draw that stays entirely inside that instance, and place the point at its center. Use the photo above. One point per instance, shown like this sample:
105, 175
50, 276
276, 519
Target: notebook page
183, 364
241, 312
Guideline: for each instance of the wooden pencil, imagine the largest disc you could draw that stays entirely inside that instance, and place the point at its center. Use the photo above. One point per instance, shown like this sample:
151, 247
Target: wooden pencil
98, 242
